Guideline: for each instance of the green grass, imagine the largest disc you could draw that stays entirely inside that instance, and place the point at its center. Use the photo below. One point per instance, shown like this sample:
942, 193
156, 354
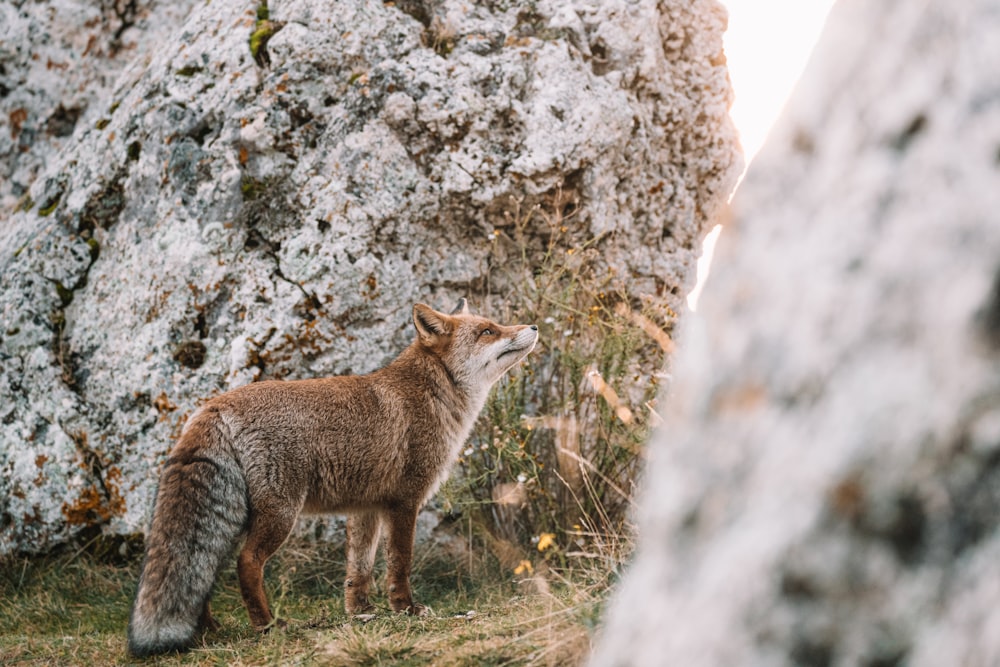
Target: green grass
72, 609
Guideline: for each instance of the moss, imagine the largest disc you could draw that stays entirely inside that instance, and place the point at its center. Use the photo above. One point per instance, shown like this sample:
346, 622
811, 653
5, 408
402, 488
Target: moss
189, 70
65, 294
444, 48
103, 123
47, 210
55, 188
252, 188
114, 108
26, 203
263, 30
133, 151
95, 249
258, 42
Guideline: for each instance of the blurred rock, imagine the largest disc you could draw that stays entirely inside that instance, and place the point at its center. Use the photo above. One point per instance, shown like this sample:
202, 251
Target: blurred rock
826, 488
264, 192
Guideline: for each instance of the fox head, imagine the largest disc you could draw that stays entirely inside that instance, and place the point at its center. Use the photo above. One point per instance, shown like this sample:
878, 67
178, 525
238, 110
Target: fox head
476, 351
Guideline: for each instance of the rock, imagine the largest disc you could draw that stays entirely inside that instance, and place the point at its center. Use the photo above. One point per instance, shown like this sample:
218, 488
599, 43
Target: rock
59, 60
825, 489
265, 191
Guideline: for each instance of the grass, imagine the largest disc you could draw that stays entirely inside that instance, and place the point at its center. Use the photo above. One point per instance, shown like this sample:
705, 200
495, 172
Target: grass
72, 609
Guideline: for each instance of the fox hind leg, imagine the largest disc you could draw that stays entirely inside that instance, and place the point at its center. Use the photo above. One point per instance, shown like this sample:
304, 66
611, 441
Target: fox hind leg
363, 531
207, 623
268, 531
399, 559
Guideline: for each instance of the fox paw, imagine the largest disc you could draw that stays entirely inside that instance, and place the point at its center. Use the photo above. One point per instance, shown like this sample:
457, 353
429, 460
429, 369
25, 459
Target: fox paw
417, 610
366, 610
209, 624
279, 623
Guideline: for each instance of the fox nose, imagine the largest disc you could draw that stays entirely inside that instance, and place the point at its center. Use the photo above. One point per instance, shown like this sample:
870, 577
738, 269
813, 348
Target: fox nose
534, 327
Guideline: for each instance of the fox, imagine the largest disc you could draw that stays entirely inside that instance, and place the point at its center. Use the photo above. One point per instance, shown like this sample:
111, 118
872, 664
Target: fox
372, 447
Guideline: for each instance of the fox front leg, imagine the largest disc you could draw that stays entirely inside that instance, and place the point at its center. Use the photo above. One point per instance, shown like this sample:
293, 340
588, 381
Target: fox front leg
362, 542
402, 523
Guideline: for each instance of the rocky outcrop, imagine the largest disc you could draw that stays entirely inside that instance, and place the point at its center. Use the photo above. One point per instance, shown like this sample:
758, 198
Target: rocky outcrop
825, 489
270, 189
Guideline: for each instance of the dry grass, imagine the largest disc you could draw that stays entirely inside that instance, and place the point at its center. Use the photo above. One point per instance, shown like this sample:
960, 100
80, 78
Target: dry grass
72, 609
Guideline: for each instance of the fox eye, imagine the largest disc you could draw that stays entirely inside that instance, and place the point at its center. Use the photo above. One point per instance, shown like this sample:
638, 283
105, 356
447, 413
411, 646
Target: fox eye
487, 332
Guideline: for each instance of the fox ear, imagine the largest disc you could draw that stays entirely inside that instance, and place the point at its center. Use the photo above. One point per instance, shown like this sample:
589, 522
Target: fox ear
429, 322
462, 308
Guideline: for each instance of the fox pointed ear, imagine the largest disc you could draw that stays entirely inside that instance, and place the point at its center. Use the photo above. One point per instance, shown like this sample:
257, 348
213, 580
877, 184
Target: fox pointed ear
430, 323
462, 308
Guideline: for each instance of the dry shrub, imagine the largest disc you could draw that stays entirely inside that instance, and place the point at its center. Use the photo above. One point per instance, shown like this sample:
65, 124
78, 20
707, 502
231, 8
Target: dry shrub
551, 467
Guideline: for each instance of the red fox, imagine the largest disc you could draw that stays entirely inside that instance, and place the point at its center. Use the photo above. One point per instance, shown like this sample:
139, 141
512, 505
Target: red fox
374, 447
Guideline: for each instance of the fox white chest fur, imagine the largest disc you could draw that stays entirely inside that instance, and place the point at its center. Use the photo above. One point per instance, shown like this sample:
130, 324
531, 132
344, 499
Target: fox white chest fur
375, 447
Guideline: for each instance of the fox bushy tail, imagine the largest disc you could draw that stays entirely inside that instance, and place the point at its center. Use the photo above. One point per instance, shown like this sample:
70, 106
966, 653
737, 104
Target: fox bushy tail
201, 511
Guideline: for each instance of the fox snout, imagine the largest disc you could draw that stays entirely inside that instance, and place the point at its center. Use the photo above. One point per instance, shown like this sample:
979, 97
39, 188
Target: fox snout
523, 341
513, 348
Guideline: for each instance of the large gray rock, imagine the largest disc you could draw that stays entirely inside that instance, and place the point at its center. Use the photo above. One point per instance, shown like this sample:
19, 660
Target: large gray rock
234, 216
826, 490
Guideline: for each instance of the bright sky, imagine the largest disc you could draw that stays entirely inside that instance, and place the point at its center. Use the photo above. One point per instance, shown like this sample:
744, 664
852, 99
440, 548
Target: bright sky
767, 46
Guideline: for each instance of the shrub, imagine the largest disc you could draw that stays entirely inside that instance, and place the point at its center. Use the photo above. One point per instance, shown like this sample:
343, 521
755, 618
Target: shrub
551, 466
